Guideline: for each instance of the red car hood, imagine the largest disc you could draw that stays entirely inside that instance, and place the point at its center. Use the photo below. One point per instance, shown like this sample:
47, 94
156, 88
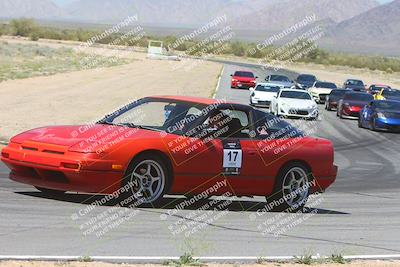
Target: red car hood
244, 79
359, 104
81, 138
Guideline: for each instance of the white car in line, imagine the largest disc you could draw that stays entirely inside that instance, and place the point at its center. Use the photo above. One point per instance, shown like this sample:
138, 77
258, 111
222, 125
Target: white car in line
294, 103
263, 94
320, 90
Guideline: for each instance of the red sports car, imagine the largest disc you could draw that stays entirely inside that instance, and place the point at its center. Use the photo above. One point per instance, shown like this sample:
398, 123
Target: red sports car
176, 145
352, 103
243, 79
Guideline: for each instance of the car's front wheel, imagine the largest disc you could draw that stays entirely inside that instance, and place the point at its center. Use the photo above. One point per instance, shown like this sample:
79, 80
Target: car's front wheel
147, 180
292, 188
328, 106
373, 124
276, 112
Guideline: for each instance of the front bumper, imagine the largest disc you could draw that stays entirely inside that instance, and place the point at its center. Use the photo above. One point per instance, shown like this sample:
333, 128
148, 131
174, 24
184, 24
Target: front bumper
246, 85
71, 171
392, 125
299, 113
353, 112
260, 102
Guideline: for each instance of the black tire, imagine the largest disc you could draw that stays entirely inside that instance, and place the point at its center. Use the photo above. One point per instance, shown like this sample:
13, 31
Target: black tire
373, 125
277, 199
50, 192
139, 180
328, 107
359, 123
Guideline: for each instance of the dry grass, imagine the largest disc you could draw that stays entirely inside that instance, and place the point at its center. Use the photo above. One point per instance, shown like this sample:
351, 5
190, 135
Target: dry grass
83, 96
99, 264
19, 60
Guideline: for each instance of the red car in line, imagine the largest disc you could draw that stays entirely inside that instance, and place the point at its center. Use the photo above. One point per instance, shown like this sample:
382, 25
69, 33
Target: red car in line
243, 79
176, 145
352, 103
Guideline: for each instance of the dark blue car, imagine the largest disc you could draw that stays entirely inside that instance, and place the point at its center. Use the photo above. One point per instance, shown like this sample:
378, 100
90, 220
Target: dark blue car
355, 85
381, 115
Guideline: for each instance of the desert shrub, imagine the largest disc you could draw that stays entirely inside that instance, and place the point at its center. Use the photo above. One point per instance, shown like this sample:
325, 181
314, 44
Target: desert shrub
28, 28
23, 27
238, 49
34, 36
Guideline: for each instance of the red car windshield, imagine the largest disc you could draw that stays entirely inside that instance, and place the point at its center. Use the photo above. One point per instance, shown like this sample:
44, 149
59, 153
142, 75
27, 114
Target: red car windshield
358, 97
155, 114
245, 74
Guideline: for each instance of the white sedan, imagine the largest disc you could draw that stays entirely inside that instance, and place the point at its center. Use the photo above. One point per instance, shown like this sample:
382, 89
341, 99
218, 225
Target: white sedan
320, 90
294, 103
263, 94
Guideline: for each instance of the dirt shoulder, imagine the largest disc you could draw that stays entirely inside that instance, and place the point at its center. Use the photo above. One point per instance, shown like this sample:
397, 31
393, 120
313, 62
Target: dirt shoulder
100, 264
84, 96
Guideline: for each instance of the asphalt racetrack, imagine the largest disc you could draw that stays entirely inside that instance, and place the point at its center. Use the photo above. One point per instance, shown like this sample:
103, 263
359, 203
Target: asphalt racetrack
360, 214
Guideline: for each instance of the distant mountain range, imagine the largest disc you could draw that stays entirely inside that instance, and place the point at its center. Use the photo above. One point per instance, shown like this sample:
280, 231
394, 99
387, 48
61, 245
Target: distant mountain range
29, 8
284, 14
375, 31
350, 25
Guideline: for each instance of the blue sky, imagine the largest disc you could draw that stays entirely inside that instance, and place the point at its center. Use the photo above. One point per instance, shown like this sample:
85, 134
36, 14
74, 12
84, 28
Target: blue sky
64, 2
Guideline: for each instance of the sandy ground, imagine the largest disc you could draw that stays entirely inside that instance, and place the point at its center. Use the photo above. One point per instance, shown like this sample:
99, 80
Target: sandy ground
99, 264
84, 96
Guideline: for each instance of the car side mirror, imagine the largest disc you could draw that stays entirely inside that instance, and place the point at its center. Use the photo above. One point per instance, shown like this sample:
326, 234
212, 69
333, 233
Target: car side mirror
256, 77
251, 89
231, 75
275, 96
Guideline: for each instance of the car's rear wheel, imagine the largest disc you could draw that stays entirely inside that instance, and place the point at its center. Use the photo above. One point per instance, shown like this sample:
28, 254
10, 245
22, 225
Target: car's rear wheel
50, 192
292, 188
147, 179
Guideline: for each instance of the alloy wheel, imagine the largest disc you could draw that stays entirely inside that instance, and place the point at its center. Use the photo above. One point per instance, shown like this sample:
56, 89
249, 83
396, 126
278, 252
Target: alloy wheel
295, 188
148, 178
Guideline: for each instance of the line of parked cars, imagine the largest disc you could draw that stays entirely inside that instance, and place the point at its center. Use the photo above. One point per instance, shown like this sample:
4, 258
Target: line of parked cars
376, 107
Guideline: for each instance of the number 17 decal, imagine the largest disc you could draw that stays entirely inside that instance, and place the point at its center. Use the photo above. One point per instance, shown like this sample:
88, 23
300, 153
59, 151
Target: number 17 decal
232, 158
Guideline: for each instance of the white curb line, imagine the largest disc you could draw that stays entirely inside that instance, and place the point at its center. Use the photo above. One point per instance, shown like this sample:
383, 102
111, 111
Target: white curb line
218, 83
163, 258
